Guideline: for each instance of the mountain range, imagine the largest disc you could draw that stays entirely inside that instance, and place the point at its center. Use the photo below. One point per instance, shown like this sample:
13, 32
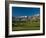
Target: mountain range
23, 18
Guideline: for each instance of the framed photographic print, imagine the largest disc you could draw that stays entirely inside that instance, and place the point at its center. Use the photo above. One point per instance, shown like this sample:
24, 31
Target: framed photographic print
25, 19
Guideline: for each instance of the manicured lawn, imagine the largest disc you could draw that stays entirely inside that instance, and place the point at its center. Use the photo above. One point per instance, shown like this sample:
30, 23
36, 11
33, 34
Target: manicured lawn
25, 25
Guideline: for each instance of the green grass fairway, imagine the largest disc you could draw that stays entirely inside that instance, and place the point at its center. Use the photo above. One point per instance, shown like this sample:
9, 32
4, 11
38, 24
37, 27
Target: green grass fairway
25, 25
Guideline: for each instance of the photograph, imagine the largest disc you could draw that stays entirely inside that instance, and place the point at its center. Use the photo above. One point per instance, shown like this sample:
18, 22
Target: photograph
25, 19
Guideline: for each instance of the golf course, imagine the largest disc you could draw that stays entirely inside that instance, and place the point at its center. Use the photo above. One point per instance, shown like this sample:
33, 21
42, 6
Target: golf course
25, 25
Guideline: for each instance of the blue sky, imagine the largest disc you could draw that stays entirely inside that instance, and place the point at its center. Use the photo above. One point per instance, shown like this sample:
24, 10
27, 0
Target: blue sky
25, 11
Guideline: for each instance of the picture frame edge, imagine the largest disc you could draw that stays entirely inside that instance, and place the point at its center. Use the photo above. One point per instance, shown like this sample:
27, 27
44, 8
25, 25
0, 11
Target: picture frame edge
7, 15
